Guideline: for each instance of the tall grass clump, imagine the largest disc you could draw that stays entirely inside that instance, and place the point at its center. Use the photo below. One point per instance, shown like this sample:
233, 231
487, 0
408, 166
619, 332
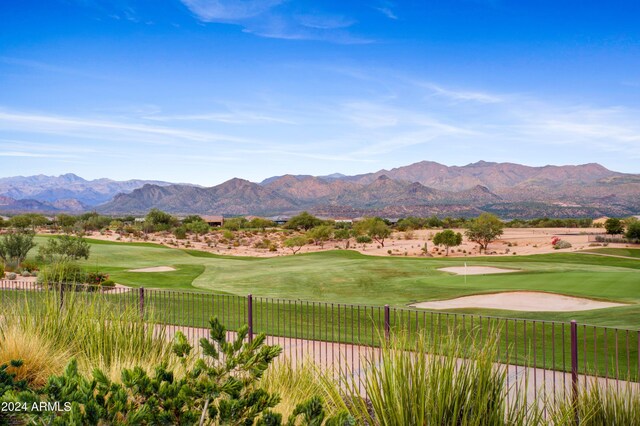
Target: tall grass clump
600, 404
295, 383
442, 381
87, 326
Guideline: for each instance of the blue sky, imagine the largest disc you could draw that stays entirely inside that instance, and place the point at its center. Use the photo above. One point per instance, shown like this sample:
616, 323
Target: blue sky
205, 90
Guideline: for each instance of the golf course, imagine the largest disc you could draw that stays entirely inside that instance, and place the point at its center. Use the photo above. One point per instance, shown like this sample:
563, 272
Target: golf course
348, 277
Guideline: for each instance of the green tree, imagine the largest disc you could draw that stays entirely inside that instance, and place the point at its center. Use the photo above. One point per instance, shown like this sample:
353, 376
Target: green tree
161, 221
303, 221
14, 247
375, 228
484, 230
614, 226
21, 221
320, 234
260, 223
447, 238
198, 228
63, 248
343, 234
633, 231
235, 223
66, 221
296, 243
191, 219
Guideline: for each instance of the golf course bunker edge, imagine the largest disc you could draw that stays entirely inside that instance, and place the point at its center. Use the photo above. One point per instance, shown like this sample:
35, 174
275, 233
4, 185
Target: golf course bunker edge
529, 301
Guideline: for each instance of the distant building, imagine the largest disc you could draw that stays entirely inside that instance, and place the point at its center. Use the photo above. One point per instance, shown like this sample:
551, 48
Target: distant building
343, 220
279, 220
138, 219
216, 221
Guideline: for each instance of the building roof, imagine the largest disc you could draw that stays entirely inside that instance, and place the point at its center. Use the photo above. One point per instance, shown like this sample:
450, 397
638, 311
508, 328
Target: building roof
213, 218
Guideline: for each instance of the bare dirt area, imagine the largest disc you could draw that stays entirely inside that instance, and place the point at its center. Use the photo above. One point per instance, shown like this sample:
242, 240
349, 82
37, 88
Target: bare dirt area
514, 241
476, 270
529, 301
154, 269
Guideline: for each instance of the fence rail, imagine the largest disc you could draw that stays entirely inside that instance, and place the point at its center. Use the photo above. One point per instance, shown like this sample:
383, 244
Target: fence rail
556, 356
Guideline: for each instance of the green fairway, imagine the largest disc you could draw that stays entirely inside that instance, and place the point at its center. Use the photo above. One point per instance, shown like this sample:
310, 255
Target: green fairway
350, 277
627, 252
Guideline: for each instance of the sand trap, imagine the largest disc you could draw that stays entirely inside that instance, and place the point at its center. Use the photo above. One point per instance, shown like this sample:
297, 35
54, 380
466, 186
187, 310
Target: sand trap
520, 301
154, 269
476, 270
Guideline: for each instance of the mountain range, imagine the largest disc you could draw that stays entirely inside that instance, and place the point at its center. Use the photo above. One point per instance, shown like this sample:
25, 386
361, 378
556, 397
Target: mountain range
66, 192
424, 188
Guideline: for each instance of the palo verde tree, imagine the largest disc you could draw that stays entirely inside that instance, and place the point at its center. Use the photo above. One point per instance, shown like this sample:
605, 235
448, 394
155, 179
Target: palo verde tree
614, 226
159, 221
304, 221
320, 234
64, 248
447, 238
375, 228
14, 247
296, 243
633, 231
485, 229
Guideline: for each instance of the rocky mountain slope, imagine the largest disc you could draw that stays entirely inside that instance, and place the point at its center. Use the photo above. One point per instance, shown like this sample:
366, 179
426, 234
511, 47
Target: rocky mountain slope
424, 188
68, 192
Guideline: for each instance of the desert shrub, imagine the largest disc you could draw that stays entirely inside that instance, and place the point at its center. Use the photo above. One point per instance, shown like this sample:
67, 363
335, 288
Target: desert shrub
88, 327
30, 266
222, 387
108, 283
363, 239
96, 278
11, 276
273, 247
61, 272
180, 232
562, 244
1, 270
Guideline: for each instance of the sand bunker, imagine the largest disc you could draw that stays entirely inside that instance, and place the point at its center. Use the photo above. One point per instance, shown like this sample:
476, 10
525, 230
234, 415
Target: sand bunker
476, 270
154, 269
520, 301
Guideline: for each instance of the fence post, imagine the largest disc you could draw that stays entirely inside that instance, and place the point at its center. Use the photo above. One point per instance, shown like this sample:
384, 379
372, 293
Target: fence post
387, 323
250, 316
141, 301
574, 366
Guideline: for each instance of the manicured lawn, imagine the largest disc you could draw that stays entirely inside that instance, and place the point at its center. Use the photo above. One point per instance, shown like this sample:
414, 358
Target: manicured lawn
629, 252
218, 286
350, 277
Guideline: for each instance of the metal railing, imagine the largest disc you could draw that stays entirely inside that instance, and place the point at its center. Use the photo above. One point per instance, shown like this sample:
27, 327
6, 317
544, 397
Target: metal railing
554, 357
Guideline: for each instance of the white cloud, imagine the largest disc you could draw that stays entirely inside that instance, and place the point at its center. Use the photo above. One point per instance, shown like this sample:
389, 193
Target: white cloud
229, 10
264, 18
462, 95
105, 129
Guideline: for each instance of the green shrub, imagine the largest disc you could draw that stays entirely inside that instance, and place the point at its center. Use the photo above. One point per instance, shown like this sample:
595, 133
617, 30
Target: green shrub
363, 239
108, 283
61, 272
30, 266
180, 233
1, 270
96, 278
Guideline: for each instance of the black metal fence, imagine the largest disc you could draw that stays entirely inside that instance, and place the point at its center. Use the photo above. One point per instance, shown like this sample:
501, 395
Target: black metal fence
545, 356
